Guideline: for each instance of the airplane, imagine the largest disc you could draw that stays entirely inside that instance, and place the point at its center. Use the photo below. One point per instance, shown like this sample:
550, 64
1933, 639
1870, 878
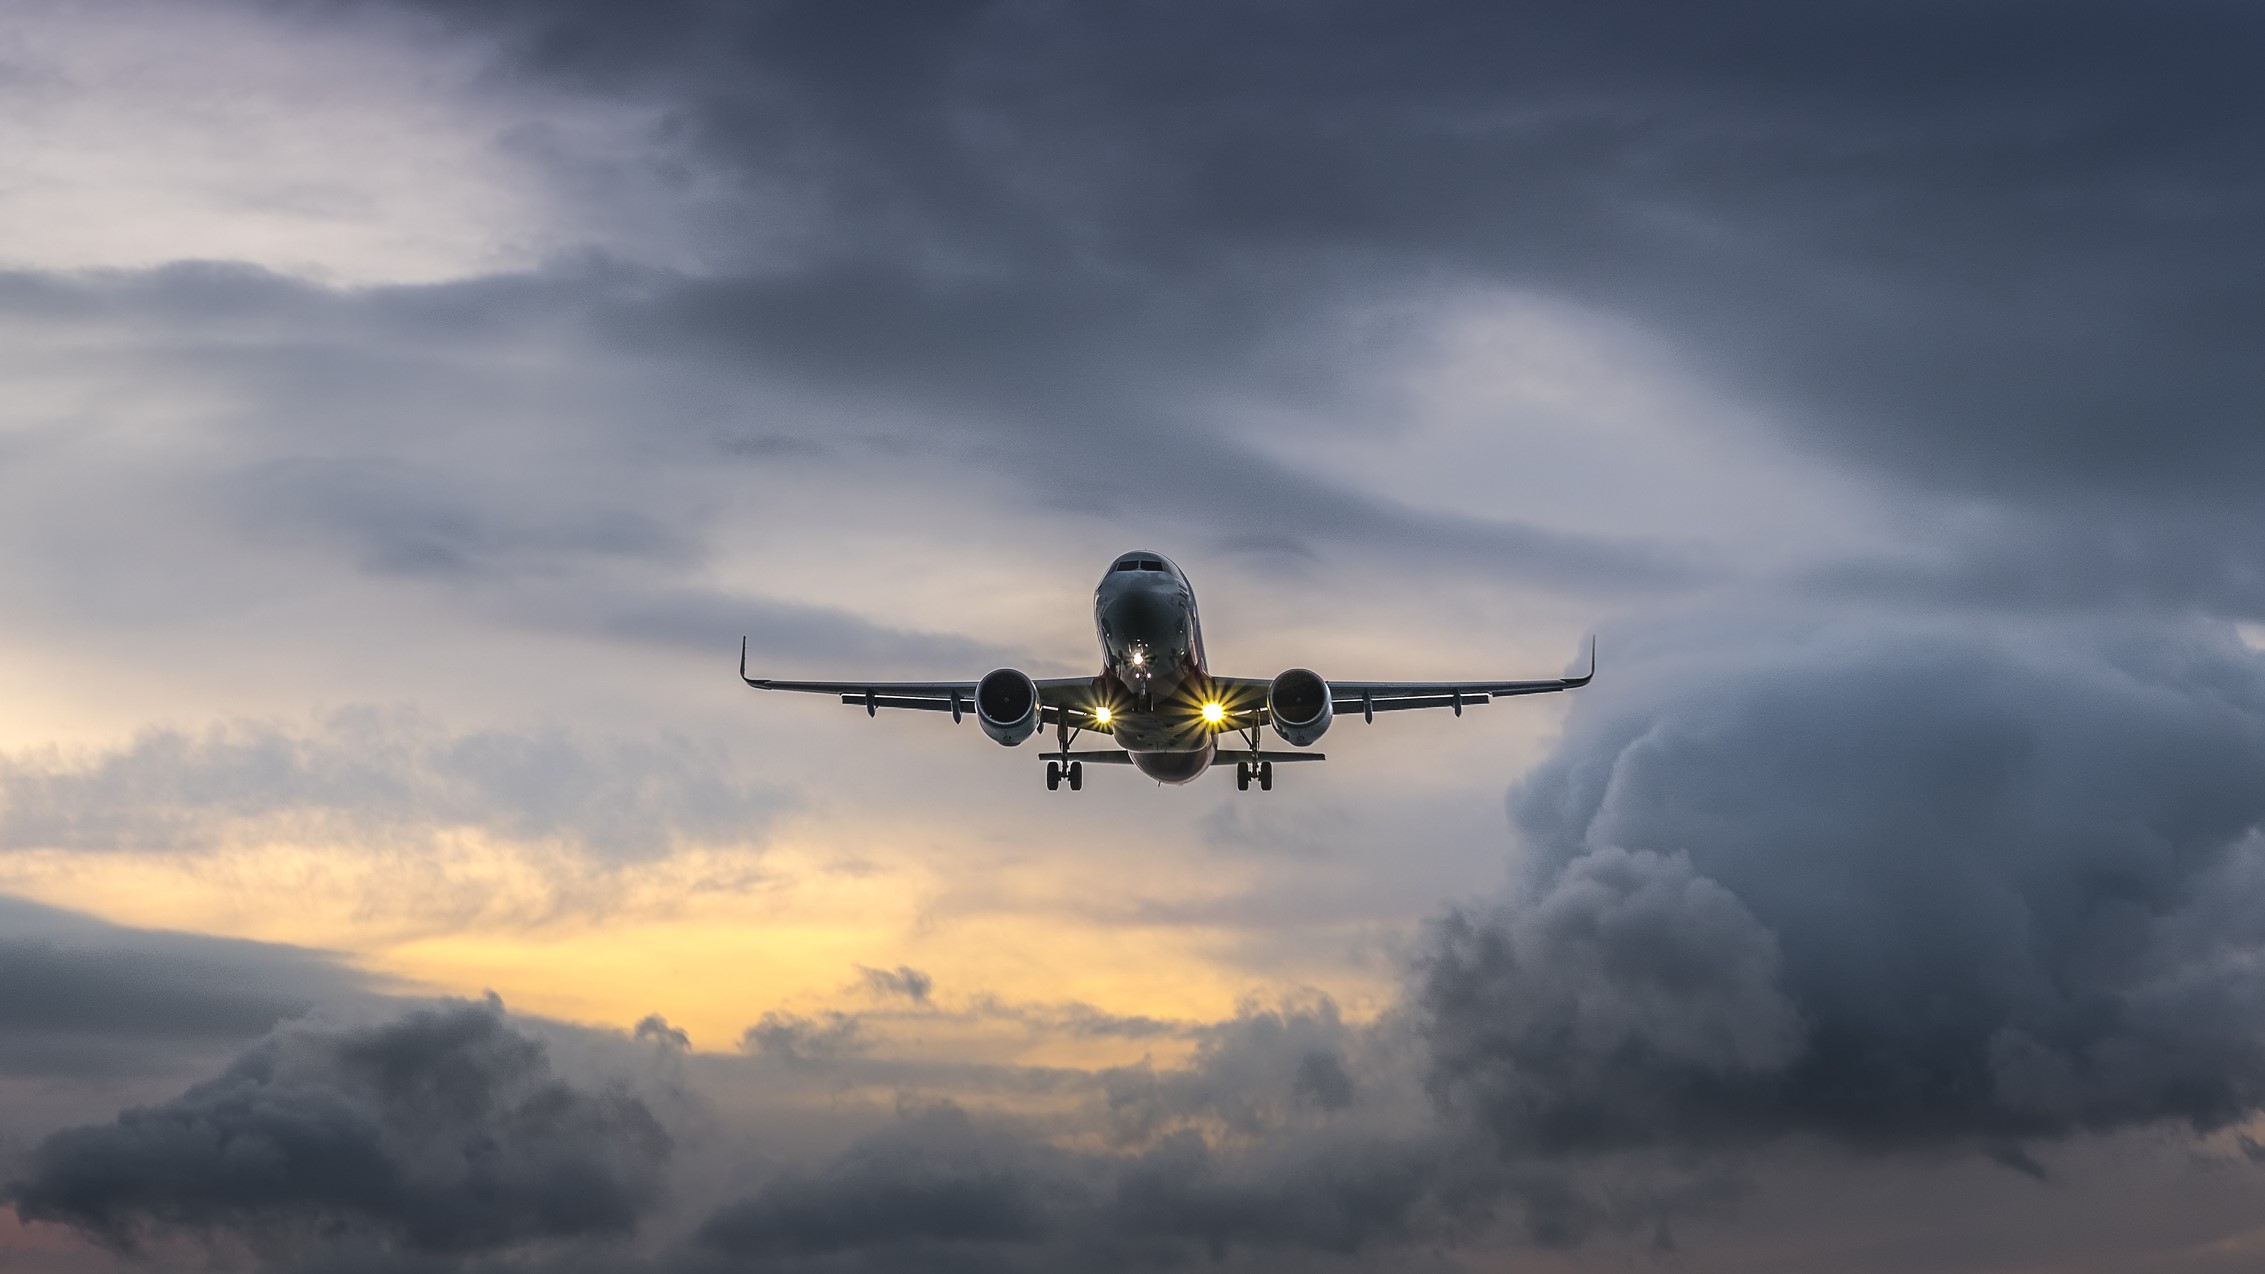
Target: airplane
1156, 697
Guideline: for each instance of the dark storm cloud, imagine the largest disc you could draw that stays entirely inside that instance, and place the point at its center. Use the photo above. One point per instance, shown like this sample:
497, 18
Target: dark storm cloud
79, 997
365, 775
1998, 246
1891, 887
1998, 250
443, 1131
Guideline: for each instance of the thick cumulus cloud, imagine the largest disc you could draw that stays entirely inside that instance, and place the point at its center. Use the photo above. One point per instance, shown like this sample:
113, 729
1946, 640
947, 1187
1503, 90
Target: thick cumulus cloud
365, 776
443, 1131
1896, 886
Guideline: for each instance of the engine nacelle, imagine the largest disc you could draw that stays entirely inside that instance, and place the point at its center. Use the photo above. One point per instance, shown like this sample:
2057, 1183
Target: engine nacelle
1298, 703
1006, 705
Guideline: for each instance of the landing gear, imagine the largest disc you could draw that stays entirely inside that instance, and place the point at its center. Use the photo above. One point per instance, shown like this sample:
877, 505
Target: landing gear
1242, 776
1263, 771
1053, 775
1056, 772
1077, 776
1266, 776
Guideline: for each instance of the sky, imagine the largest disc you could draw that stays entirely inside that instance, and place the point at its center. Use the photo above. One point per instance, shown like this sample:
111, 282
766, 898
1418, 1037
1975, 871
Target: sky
406, 407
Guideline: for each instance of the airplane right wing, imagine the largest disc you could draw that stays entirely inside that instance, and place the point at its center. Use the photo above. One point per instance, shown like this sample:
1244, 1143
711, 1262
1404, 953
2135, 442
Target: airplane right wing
1056, 695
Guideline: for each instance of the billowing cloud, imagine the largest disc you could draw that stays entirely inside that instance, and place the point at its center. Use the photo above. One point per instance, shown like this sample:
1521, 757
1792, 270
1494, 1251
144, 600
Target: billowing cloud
442, 1131
1897, 887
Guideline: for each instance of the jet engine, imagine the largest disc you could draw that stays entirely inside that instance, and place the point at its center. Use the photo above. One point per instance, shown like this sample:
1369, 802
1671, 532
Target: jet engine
1298, 703
1006, 705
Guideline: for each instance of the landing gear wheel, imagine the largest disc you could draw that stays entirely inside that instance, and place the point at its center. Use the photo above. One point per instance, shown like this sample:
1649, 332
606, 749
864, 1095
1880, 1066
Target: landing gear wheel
1077, 775
1053, 775
1242, 776
1266, 776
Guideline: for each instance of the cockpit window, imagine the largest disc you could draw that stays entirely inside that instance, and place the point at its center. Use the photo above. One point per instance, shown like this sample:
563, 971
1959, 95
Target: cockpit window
1138, 564
1151, 564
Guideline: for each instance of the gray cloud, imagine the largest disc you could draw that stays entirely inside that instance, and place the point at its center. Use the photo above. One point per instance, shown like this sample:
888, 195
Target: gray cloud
1928, 244
82, 998
1808, 178
1290, 1140
442, 1131
366, 774
1897, 887
903, 981
1266, 1144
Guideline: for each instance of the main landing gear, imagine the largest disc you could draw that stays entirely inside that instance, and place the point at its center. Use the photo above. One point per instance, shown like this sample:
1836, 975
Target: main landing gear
1056, 772
1263, 771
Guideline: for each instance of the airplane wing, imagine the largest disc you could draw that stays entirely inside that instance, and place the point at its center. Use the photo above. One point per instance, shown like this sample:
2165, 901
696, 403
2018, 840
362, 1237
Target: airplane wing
1371, 697
1056, 694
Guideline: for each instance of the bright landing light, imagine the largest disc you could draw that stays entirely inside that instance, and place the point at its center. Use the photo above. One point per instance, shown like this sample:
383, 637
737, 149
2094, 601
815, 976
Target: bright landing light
1101, 715
1214, 713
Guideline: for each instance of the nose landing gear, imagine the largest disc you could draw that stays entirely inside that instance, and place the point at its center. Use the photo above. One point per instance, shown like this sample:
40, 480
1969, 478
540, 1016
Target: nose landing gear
1056, 772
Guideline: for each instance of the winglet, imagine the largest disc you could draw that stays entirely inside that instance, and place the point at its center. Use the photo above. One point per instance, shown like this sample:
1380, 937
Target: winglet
743, 666
1586, 677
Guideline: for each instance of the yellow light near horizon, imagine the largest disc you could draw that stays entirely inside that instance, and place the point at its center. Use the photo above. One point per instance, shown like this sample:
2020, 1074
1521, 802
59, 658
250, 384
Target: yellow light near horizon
1214, 713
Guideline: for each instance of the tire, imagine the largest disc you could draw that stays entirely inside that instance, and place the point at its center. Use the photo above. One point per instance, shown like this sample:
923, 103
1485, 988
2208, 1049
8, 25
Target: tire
1077, 776
1053, 775
1266, 776
1242, 776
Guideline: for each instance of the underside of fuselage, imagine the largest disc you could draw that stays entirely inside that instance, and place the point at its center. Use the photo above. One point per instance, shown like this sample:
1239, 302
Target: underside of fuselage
1174, 767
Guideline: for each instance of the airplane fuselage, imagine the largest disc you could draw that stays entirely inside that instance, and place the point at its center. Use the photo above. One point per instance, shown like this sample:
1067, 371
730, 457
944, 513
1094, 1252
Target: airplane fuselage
1154, 678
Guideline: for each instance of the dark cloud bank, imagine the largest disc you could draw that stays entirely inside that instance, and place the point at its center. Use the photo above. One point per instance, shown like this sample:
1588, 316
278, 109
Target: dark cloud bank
84, 998
1994, 253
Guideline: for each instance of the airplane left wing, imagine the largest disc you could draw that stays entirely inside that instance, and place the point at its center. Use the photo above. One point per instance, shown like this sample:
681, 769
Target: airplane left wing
1248, 694
1372, 697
